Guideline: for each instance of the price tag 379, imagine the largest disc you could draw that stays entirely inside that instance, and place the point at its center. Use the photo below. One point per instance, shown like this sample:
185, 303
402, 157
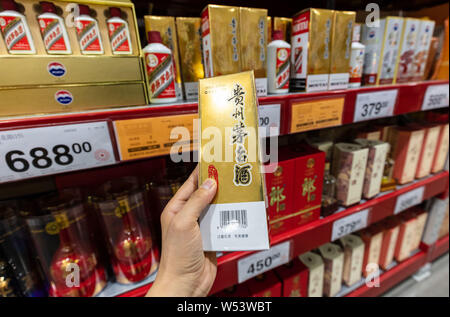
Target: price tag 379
409, 199
263, 261
374, 105
436, 96
349, 224
49, 150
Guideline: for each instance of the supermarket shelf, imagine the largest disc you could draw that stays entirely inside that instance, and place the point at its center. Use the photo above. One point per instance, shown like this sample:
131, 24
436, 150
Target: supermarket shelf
439, 248
318, 232
409, 99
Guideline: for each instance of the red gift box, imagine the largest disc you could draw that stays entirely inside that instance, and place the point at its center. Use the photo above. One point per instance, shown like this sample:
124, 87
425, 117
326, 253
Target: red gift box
294, 277
265, 285
373, 239
390, 235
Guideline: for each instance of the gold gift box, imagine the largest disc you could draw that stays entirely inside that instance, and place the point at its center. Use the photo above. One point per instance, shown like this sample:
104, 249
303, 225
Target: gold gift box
341, 49
284, 25
166, 27
189, 38
228, 110
253, 44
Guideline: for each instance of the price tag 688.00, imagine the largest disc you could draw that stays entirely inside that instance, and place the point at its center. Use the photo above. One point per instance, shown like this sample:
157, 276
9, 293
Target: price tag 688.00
263, 261
374, 105
49, 150
349, 224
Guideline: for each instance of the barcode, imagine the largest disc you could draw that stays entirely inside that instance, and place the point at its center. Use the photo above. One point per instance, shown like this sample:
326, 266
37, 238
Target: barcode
233, 217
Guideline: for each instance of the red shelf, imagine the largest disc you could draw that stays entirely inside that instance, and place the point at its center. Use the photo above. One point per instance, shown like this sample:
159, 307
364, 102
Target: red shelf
439, 248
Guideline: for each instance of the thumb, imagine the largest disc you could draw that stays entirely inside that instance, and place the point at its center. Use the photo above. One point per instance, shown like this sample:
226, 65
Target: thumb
199, 200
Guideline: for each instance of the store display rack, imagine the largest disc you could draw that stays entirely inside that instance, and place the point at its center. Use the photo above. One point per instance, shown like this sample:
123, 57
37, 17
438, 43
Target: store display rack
316, 233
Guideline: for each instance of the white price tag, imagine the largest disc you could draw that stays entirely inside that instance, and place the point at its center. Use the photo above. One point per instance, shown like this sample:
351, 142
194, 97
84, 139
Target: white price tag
349, 224
263, 261
436, 96
374, 105
409, 199
49, 150
269, 117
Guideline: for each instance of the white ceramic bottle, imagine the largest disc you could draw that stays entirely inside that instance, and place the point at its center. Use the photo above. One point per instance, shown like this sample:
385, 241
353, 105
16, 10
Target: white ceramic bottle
53, 30
160, 71
119, 34
278, 64
15, 30
356, 59
88, 32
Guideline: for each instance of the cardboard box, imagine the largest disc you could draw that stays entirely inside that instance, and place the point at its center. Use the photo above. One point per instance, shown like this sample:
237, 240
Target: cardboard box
280, 192
311, 49
236, 219
405, 236
392, 27
349, 166
407, 49
441, 149
333, 259
371, 37
316, 270
376, 159
437, 210
221, 40
341, 49
422, 50
284, 25
353, 248
309, 170
190, 41
428, 150
265, 285
294, 277
407, 145
253, 45
421, 219
373, 239
390, 235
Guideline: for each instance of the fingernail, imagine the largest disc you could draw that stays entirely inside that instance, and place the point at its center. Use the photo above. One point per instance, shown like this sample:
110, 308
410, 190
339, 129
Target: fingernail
208, 184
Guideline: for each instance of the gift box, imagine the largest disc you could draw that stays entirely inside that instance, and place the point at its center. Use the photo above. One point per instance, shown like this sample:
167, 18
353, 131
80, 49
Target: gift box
373, 238
353, 247
333, 259
316, 270
421, 219
441, 149
265, 285
294, 277
405, 236
390, 235
436, 215
428, 151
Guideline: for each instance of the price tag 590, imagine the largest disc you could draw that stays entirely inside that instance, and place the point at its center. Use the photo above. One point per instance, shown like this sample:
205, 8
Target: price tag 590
436, 96
42, 151
349, 224
263, 261
375, 105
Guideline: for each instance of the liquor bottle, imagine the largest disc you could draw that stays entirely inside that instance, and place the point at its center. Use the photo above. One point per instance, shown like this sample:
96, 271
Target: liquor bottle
278, 64
119, 34
88, 32
160, 70
329, 201
15, 30
53, 30
388, 181
357, 58
15, 247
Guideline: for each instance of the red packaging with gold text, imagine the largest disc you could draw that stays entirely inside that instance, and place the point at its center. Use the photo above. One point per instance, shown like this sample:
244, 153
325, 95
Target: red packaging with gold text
265, 285
406, 235
309, 169
294, 277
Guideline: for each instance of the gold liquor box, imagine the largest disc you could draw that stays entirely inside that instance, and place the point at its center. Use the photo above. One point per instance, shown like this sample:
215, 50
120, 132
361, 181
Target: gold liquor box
311, 50
189, 38
221, 40
165, 25
341, 48
34, 78
253, 44
229, 153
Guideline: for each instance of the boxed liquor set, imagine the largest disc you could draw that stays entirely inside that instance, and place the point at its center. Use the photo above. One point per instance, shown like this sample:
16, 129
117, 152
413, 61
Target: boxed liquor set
58, 62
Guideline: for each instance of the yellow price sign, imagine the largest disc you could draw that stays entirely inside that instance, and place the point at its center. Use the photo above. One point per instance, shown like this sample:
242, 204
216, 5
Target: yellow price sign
147, 137
316, 114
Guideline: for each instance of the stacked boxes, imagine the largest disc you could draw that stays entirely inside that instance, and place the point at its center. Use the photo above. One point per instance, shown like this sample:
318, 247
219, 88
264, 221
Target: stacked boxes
408, 43
422, 49
68, 76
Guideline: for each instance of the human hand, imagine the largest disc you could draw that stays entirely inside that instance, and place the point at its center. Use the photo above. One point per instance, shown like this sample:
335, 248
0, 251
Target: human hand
185, 269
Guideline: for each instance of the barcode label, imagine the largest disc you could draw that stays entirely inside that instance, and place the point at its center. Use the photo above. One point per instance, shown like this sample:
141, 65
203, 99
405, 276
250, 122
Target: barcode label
234, 218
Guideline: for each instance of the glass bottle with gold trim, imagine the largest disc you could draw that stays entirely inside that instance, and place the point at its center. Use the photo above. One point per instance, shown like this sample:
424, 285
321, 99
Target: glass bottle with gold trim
388, 182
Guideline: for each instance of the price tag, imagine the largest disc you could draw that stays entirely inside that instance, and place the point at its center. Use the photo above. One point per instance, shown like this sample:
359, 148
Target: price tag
263, 261
349, 224
269, 118
316, 114
436, 96
409, 199
374, 105
50, 150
